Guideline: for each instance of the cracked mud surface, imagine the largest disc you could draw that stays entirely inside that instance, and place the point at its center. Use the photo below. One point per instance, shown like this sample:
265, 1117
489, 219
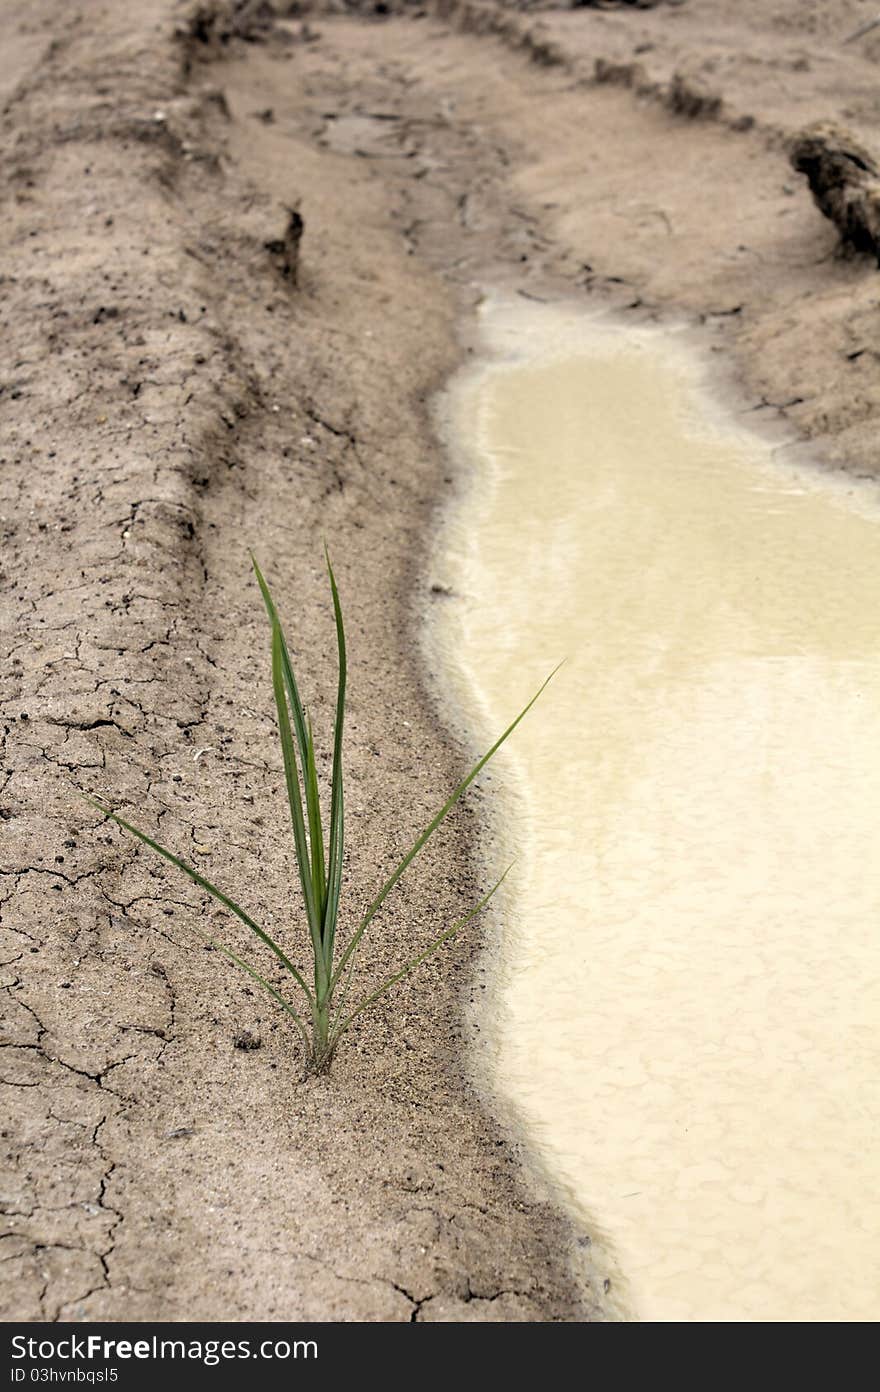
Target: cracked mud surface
175, 387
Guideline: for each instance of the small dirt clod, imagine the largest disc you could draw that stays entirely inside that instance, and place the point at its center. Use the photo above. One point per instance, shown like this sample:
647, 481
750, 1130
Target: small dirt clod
844, 180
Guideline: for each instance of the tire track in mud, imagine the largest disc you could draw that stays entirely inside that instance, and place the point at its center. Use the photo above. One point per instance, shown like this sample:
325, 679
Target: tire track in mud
682, 119
166, 400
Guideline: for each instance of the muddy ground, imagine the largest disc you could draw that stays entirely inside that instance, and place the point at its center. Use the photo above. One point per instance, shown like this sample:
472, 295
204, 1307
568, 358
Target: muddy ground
183, 378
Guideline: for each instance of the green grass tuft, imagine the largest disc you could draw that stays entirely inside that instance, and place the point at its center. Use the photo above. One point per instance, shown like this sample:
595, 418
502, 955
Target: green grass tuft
321, 1014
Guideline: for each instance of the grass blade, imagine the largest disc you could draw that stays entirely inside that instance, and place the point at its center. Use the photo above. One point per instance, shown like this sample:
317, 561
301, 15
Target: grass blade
296, 705
315, 909
337, 800
245, 966
316, 831
430, 829
204, 884
296, 811
417, 961
251, 971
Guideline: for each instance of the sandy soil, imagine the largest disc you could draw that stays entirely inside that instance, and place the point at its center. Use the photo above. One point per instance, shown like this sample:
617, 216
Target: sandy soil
171, 393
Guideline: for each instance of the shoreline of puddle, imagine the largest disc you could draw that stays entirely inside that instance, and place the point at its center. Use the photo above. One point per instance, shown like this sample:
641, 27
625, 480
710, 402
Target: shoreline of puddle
650, 1029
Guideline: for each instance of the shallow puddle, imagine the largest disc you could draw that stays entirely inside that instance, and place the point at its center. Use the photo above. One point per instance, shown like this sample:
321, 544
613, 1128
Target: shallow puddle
687, 965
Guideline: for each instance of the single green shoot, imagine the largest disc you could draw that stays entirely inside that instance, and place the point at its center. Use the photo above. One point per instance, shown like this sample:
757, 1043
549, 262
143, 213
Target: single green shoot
319, 1007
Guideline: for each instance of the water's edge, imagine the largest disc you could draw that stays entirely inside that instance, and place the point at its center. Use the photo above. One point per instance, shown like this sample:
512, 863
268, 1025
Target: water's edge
736, 665
459, 704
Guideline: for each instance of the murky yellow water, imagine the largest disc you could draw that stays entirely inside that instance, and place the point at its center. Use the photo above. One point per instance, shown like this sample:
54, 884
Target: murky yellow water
687, 972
